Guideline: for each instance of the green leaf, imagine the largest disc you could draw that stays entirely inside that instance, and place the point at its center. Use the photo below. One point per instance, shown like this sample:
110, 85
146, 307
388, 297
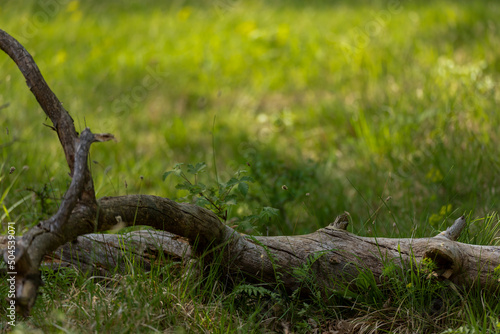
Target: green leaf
247, 179
269, 213
211, 191
202, 186
184, 185
166, 174
199, 167
243, 188
230, 200
232, 182
178, 166
202, 201
176, 171
196, 188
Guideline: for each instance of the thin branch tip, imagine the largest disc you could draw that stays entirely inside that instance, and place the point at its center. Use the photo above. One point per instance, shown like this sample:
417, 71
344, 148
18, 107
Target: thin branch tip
102, 137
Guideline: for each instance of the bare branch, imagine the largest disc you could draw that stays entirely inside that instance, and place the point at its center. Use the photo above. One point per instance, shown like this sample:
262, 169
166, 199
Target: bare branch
49, 235
63, 123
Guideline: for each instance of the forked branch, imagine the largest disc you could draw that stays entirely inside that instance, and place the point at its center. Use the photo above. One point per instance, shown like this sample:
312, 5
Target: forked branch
54, 232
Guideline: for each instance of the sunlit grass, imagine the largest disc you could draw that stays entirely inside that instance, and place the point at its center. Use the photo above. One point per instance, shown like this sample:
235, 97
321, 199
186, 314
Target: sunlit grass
387, 112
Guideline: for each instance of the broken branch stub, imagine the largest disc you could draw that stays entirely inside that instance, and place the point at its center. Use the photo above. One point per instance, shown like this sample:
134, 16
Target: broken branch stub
453, 232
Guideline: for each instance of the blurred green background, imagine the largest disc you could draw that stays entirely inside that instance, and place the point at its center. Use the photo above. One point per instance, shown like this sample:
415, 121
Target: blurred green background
385, 109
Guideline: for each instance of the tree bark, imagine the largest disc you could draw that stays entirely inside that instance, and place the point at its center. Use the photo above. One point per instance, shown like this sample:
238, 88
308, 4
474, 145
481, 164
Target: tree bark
331, 257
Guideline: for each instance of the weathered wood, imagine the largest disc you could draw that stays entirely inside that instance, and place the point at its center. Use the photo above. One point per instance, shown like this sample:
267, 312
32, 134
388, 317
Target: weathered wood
331, 255
106, 254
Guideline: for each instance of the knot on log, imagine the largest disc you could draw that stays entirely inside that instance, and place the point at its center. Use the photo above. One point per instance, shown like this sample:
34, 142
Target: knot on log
341, 221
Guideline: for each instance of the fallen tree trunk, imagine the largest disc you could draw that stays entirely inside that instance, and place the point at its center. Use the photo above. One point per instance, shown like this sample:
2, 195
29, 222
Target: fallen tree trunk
331, 257
331, 254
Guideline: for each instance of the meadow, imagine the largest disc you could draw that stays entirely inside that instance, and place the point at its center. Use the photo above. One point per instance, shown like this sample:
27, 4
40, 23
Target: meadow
385, 109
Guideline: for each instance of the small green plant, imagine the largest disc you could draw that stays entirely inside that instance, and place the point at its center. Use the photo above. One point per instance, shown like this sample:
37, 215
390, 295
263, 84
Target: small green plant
219, 198
222, 197
261, 221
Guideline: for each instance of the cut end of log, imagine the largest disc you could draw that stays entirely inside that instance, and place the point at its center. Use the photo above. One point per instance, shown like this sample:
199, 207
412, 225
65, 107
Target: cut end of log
448, 260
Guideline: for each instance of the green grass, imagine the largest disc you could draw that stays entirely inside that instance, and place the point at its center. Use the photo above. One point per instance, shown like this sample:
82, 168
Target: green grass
345, 103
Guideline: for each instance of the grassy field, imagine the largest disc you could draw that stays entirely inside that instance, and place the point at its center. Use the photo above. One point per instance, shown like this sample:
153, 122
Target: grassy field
386, 109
